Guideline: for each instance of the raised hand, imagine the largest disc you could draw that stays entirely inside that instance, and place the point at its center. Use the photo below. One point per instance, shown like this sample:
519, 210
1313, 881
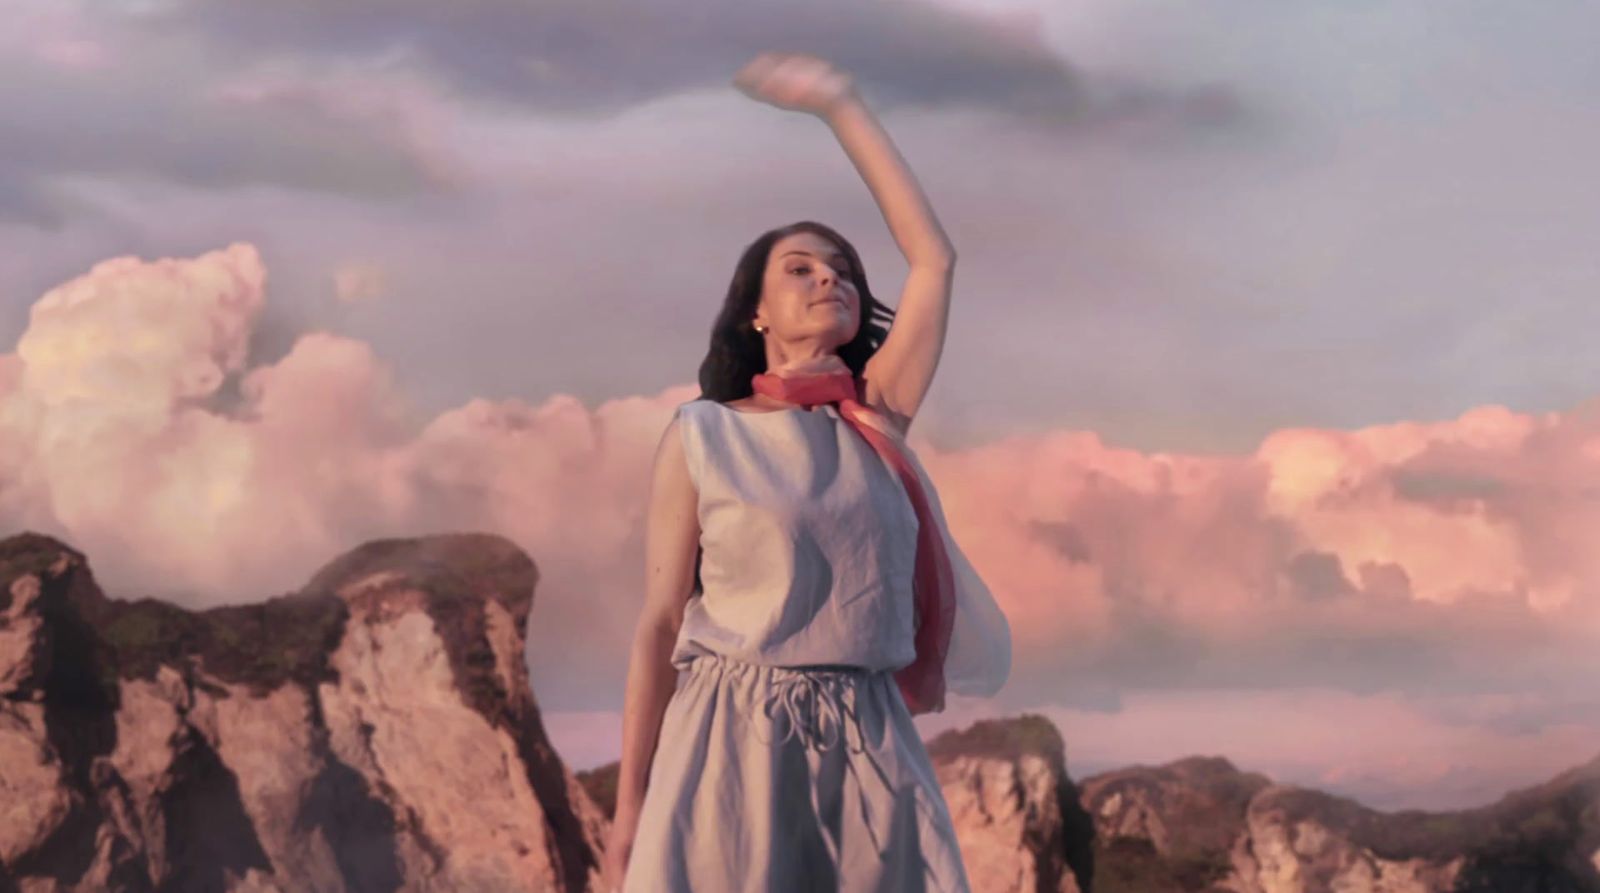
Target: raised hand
795, 81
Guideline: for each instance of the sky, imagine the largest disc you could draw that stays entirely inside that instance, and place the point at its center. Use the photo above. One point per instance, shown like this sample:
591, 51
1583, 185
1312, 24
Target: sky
1268, 409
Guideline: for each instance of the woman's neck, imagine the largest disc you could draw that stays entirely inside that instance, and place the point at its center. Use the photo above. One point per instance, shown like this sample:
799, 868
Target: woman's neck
811, 365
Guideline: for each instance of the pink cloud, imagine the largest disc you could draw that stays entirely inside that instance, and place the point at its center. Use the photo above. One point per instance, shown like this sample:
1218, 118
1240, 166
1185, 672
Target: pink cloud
110, 412
1493, 503
56, 34
1454, 548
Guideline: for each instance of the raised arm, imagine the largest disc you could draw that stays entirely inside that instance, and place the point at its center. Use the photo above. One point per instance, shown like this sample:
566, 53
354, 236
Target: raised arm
899, 374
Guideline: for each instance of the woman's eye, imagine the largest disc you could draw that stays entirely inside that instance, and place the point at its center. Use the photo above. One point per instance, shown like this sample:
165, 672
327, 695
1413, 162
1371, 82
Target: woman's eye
805, 268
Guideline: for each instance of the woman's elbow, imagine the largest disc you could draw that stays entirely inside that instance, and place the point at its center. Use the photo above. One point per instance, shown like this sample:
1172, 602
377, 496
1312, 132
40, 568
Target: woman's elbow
657, 624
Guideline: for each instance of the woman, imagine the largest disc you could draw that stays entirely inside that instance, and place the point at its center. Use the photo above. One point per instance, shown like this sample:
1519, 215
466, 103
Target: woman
803, 596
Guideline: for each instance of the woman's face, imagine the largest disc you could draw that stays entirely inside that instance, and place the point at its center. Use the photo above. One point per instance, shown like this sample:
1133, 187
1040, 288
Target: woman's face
807, 292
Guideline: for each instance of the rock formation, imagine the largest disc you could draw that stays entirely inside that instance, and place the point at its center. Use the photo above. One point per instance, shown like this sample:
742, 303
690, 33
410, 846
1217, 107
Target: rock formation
373, 732
1200, 824
1016, 811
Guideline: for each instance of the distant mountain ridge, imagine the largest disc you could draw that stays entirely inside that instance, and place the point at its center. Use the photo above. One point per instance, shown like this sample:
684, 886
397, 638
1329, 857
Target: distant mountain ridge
375, 731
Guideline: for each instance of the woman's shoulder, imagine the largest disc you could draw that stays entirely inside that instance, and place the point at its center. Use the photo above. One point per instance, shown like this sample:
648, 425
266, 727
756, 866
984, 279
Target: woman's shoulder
719, 407
697, 413
691, 407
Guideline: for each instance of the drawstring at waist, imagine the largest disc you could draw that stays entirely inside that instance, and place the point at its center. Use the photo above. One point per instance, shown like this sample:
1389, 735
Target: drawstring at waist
815, 705
819, 704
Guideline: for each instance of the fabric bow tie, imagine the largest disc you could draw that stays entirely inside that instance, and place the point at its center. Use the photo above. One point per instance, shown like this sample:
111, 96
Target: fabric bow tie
922, 682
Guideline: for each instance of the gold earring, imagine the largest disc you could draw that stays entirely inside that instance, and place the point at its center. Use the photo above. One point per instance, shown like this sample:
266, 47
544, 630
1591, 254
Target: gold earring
759, 329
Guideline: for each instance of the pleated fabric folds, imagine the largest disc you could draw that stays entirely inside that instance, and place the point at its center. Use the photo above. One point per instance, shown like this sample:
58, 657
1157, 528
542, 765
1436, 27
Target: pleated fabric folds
788, 779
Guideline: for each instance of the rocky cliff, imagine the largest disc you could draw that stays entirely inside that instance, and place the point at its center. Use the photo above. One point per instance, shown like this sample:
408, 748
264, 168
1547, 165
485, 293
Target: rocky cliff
1200, 825
375, 732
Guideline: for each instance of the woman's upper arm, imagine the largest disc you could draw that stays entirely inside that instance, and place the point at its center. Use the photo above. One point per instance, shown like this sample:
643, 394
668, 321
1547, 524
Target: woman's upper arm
672, 530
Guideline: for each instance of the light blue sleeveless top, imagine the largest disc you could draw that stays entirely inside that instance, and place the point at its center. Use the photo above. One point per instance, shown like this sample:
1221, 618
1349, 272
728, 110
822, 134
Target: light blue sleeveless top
808, 539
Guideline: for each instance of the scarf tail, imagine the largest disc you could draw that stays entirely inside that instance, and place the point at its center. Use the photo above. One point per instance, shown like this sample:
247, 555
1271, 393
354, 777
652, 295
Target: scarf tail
922, 682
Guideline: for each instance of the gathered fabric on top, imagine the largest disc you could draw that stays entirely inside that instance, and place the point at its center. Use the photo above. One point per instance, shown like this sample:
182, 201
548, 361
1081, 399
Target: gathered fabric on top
808, 543
826, 380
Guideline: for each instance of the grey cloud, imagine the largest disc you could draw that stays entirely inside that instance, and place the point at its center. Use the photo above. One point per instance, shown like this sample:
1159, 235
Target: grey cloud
573, 56
1065, 537
21, 202
1482, 643
150, 120
149, 112
1315, 575
1525, 713
1445, 487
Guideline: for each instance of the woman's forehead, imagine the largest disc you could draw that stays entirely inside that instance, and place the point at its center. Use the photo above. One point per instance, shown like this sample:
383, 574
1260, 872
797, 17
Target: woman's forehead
808, 244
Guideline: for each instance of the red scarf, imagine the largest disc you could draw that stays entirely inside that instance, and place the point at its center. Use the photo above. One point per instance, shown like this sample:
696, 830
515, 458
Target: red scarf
922, 681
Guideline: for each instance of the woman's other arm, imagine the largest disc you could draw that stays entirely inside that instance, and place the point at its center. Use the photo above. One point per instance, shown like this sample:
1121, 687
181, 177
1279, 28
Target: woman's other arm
672, 536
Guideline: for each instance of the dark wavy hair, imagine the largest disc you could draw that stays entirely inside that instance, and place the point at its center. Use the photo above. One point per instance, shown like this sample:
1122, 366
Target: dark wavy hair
737, 352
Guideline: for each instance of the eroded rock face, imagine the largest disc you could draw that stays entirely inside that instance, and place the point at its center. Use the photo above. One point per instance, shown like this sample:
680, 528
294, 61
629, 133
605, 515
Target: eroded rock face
1304, 840
1015, 810
1200, 824
1172, 826
374, 731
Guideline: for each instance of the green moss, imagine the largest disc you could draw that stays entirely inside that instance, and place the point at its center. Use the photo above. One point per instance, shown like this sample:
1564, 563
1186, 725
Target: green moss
261, 646
30, 553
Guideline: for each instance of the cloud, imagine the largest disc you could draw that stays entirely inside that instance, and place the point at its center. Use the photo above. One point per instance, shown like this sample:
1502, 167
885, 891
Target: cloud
115, 440
584, 58
1149, 592
1316, 554
1302, 562
359, 282
1437, 560
85, 99
369, 99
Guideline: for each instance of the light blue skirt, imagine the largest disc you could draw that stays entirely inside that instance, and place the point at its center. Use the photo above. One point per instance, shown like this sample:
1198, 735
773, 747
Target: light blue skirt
780, 779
